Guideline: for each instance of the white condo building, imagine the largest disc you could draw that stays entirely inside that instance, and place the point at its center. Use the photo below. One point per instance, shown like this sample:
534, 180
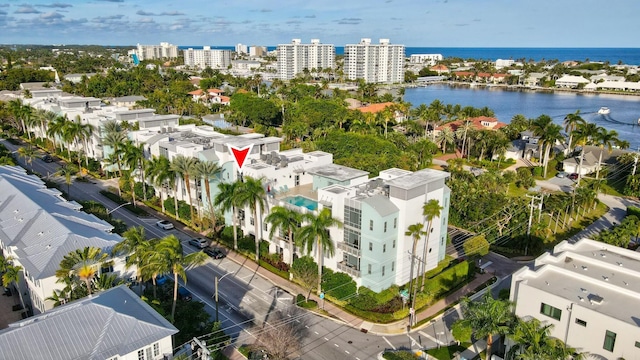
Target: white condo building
156, 52
242, 49
590, 292
207, 57
293, 58
374, 63
427, 59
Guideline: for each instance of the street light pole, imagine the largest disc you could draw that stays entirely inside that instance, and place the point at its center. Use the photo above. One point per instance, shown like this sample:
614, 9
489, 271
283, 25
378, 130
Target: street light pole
110, 211
215, 295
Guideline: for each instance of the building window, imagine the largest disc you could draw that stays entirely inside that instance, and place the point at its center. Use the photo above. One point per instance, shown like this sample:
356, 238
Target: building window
383, 271
609, 341
371, 225
251, 220
141, 354
394, 243
638, 344
385, 226
106, 268
370, 246
395, 223
550, 311
393, 266
581, 322
264, 226
384, 247
156, 349
369, 269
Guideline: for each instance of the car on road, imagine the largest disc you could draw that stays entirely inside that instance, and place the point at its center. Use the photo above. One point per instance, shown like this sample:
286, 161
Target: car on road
572, 176
215, 253
561, 174
184, 294
163, 279
200, 243
47, 158
165, 224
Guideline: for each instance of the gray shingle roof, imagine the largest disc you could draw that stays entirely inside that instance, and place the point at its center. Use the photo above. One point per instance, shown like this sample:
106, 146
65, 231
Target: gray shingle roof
42, 227
114, 322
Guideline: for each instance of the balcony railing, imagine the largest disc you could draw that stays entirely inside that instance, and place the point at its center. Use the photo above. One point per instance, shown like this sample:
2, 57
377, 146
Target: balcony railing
349, 249
349, 269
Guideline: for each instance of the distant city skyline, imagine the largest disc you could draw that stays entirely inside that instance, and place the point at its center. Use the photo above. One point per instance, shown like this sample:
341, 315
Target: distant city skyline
429, 23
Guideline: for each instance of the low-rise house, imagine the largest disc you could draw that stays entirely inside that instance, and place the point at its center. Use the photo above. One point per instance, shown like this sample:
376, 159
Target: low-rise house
440, 69
592, 156
76, 78
534, 79
571, 81
126, 101
590, 292
398, 115
114, 324
38, 227
479, 123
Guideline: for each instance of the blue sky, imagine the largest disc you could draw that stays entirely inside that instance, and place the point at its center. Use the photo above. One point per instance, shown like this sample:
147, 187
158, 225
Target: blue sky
430, 23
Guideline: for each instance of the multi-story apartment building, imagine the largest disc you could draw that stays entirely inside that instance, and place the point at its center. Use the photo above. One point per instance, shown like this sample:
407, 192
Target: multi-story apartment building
374, 63
207, 57
590, 292
242, 49
372, 246
257, 51
295, 57
156, 52
38, 227
427, 59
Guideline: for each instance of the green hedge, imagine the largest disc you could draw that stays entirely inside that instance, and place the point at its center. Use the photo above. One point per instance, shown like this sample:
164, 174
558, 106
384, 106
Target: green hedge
400, 355
632, 210
337, 284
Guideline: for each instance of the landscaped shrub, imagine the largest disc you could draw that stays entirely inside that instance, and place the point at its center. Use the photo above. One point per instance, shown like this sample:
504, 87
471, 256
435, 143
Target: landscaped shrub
537, 171
183, 208
139, 191
300, 301
447, 280
386, 301
400, 355
632, 210
338, 285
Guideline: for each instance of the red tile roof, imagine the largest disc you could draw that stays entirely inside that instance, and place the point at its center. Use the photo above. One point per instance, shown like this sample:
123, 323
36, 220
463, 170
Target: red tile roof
196, 92
439, 67
215, 91
477, 123
375, 108
224, 98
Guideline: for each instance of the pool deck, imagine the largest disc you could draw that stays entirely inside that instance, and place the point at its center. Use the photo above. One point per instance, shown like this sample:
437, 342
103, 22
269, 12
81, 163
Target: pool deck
302, 190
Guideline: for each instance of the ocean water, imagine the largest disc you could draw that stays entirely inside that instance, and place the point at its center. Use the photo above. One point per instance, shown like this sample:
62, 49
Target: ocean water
630, 56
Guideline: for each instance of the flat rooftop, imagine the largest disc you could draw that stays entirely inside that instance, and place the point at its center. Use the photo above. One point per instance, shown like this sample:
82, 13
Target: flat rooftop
337, 172
418, 178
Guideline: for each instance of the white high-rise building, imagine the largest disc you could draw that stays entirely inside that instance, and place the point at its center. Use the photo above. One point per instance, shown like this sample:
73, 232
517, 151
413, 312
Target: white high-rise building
257, 51
156, 52
215, 59
242, 49
295, 57
374, 63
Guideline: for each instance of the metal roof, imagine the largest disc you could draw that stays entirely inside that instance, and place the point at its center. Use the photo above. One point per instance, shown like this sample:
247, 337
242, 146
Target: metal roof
115, 322
41, 227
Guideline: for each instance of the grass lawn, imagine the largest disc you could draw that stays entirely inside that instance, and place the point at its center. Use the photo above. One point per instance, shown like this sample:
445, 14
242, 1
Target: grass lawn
516, 191
446, 353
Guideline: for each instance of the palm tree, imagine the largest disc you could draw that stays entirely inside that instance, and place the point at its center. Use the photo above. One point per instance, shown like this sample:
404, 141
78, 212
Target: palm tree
430, 210
161, 174
285, 220
83, 134
134, 244
571, 123
114, 137
228, 200
28, 153
539, 127
316, 232
185, 167
584, 135
208, 170
12, 276
83, 264
604, 139
133, 157
416, 232
445, 137
252, 194
531, 340
169, 251
487, 317
551, 135
55, 129
67, 171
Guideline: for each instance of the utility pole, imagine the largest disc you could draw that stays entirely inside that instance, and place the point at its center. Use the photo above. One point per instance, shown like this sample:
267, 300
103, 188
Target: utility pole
635, 163
531, 207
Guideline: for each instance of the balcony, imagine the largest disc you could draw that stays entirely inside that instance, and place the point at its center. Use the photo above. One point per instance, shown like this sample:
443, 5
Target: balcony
349, 269
349, 249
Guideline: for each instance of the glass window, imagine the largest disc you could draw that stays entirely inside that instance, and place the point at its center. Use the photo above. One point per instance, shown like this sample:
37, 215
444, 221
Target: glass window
393, 266
369, 269
352, 217
384, 247
581, 322
251, 220
394, 243
156, 349
370, 246
550, 311
609, 340
141, 354
638, 344
385, 226
371, 225
264, 227
383, 271
395, 223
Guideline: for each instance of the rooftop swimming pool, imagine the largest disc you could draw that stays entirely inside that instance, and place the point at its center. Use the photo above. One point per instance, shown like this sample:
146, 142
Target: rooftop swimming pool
302, 202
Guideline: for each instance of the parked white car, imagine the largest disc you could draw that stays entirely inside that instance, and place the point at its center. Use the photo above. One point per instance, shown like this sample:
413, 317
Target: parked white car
165, 224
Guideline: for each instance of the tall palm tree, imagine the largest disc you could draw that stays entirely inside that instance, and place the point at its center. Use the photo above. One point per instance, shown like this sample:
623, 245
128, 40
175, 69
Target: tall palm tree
28, 153
208, 170
315, 231
185, 167
584, 135
134, 245
114, 137
539, 126
15, 108
55, 129
253, 194
551, 135
133, 158
605, 138
83, 134
531, 340
430, 210
228, 200
285, 220
487, 318
12, 276
416, 231
83, 264
67, 171
162, 176
571, 123
169, 251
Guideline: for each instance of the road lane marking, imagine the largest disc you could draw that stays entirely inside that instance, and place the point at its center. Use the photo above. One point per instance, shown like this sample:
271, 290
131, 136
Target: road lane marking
336, 345
437, 341
316, 333
347, 352
325, 339
389, 342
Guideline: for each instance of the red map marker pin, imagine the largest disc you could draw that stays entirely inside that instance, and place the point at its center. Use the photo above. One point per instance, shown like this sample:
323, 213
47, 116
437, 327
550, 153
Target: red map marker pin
240, 154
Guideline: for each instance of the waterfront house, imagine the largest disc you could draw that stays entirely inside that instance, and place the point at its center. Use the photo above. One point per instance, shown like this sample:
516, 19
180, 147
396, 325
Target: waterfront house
479, 123
398, 115
571, 81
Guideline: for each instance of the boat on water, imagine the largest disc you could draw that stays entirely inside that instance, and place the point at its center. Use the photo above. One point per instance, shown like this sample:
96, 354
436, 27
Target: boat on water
604, 110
